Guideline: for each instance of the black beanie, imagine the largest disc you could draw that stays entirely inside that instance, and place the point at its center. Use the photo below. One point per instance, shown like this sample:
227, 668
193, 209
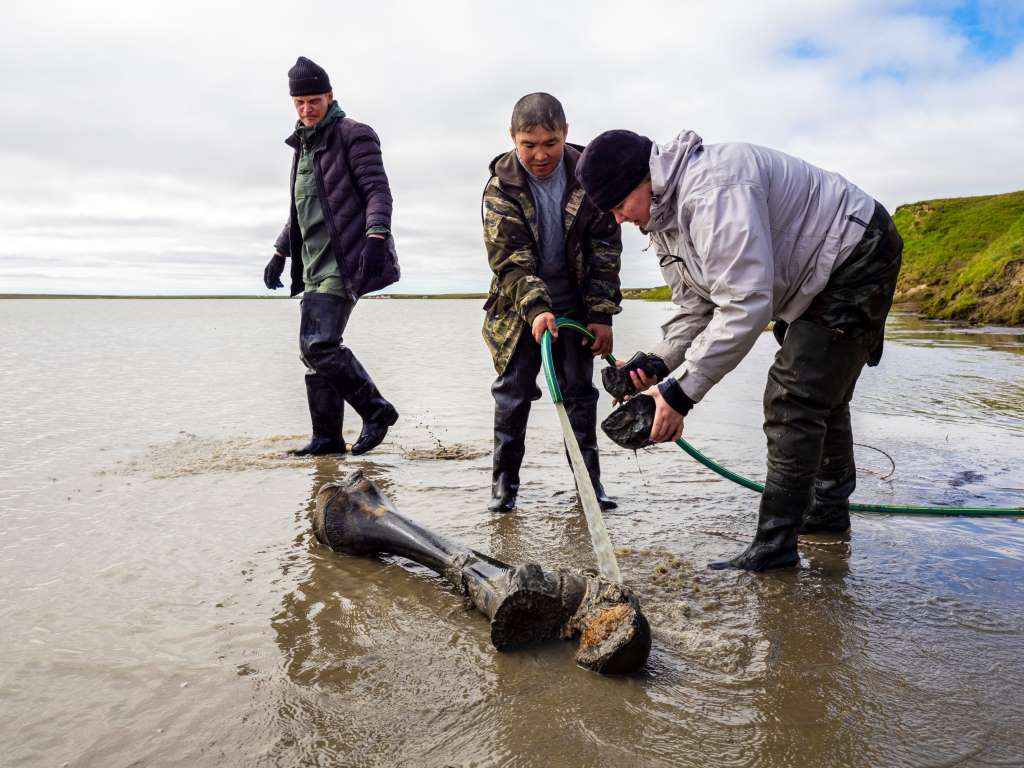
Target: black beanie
307, 78
612, 166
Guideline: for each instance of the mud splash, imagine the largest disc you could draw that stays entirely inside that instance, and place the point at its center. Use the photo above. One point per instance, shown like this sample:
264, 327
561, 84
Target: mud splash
696, 614
194, 455
443, 452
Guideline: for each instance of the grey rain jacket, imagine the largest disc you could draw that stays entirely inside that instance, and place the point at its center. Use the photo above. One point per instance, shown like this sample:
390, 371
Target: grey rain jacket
744, 234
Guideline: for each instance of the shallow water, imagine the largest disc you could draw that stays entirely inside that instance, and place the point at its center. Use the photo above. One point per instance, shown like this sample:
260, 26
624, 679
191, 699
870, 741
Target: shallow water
164, 603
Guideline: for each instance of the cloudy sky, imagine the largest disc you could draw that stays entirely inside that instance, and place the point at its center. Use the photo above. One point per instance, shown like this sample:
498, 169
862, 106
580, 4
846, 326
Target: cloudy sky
141, 142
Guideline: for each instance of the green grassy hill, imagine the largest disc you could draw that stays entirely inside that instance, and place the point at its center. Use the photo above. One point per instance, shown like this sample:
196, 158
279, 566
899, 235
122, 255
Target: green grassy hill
661, 293
963, 258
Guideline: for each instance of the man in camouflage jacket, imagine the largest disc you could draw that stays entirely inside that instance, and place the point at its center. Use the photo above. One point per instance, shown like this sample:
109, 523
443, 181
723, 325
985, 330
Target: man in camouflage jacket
552, 252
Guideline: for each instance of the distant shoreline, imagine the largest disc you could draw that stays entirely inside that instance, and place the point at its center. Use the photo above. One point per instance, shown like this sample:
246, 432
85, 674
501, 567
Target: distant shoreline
649, 294
126, 296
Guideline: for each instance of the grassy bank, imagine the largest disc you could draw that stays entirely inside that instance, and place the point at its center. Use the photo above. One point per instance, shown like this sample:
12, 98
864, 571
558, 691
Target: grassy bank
661, 293
963, 258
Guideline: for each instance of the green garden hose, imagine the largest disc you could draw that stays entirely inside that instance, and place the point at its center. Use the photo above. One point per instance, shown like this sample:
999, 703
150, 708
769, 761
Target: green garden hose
728, 474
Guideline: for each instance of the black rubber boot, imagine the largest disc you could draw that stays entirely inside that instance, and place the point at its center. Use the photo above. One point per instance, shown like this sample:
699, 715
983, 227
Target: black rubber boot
836, 478
606, 501
509, 448
324, 317
374, 432
377, 418
362, 394
504, 490
774, 544
326, 410
827, 518
513, 390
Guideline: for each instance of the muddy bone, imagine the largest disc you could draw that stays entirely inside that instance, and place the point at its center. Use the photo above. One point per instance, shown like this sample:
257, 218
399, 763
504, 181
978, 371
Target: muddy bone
525, 603
630, 424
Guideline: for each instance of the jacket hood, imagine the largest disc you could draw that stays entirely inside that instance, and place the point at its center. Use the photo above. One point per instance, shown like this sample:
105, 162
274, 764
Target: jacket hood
511, 174
668, 162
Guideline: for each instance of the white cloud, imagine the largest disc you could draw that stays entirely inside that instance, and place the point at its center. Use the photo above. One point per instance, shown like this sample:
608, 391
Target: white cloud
141, 142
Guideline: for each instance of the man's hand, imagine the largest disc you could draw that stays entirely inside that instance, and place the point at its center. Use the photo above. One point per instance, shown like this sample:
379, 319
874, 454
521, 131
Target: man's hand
668, 422
545, 321
602, 343
641, 380
272, 272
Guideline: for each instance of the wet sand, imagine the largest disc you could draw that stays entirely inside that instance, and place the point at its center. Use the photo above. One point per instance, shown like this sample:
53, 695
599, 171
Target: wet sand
164, 601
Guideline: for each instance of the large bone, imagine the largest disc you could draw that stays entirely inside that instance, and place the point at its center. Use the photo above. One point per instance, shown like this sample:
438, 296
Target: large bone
525, 603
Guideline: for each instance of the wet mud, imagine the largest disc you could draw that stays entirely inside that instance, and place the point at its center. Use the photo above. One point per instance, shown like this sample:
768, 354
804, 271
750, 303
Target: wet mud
191, 455
208, 627
444, 452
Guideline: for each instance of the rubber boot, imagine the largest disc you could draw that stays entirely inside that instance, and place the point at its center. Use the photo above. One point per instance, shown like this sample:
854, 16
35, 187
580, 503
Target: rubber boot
326, 411
830, 508
774, 544
509, 448
836, 478
504, 489
362, 394
514, 391
825, 517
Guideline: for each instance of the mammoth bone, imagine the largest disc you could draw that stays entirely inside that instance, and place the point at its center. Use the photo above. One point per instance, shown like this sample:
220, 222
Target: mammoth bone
525, 603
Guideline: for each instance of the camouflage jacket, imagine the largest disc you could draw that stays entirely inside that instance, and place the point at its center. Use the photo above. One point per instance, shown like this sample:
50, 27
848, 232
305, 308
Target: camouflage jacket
593, 248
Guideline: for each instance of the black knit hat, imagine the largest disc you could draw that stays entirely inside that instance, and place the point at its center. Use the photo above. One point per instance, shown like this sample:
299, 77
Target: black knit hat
307, 78
612, 166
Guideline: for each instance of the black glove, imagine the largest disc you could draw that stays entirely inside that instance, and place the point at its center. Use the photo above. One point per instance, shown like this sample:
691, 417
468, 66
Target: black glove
617, 382
272, 272
373, 257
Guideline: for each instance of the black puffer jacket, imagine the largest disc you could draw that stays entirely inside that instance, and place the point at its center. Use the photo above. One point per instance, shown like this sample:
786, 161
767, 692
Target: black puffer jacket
354, 195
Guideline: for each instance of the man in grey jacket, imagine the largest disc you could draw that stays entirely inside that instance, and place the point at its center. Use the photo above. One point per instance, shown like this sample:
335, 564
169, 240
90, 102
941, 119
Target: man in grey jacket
745, 235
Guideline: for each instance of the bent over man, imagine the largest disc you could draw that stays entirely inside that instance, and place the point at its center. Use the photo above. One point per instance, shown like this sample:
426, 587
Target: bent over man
339, 240
552, 253
744, 235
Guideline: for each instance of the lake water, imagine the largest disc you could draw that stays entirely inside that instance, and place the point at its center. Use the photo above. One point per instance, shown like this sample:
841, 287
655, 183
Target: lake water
163, 602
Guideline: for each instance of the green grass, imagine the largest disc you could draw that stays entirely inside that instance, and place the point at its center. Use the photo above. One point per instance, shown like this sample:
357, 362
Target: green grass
963, 258
661, 293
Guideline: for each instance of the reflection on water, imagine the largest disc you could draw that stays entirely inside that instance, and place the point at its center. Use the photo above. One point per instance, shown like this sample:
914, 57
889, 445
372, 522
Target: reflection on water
164, 600
910, 329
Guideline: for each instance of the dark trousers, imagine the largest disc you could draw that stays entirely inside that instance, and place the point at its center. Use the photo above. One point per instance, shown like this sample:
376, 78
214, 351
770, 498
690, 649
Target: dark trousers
516, 388
333, 373
811, 382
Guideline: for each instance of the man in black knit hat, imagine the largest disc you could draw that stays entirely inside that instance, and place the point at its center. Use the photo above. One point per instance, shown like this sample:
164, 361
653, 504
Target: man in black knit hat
745, 235
338, 237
